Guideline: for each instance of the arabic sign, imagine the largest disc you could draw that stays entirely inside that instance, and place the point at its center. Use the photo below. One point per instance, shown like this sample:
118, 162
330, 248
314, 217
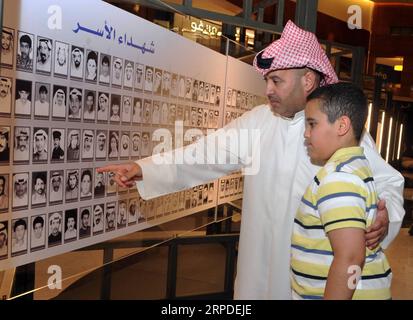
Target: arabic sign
110, 34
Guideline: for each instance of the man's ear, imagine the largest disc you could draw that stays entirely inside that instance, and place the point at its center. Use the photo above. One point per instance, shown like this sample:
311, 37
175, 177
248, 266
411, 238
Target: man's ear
343, 125
309, 81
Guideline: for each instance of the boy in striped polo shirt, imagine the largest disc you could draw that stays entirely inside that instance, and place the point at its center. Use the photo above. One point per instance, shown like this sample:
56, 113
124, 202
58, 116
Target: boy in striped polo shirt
329, 258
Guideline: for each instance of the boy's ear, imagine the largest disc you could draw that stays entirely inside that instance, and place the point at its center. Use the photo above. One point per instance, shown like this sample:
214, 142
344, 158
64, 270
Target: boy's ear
344, 125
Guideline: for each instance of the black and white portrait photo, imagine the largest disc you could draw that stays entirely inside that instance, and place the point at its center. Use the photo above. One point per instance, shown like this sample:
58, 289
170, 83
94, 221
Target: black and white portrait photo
75, 104
181, 87
4, 239
86, 182
98, 212
91, 73
128, 75
55, 229
100, 184
89, 109
19, 237
201, 91
85, 222
58, 145
188, 88
24, 59
56, 187
115, 108
38, 232
20, 198
72, 185
103, 107
73, 145
157, 82
70, 228
42, 100
124, 145
112, 187
146, 144
147, 111
5, 95
122, 214
59, 102
61, 59
104, 69
4, 145
39, 189
117, 71
136, 144
137, 110
44, 55
4, 192
217, 95
148, 79
23, 96
126, 109
113, 148
88, 140
101, 144
77, 61
132, 211
166, 83
174, 85
156, 112
7, 47
139, 77
110, 216
164, 116
40, 144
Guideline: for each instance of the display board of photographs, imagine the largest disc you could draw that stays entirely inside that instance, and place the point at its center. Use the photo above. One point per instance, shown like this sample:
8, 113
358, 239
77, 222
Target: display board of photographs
74, 109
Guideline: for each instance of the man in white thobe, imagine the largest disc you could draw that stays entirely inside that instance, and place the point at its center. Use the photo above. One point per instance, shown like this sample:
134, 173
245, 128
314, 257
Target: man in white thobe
293, 67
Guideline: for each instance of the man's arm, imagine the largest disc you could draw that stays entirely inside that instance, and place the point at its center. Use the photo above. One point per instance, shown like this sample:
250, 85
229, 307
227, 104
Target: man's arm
389, 184
349, 255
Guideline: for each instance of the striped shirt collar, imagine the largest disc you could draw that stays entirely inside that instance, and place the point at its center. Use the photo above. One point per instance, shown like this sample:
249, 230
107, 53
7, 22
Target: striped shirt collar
345, 153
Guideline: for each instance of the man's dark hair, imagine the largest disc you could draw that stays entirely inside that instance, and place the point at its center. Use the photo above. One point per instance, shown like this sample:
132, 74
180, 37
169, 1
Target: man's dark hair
4, 185
85, 212
343, 99
37, 220
27, 39
105, 60
20, 222
43, 89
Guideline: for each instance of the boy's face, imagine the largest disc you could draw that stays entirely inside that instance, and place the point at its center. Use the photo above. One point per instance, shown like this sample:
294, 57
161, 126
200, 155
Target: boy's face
320, 135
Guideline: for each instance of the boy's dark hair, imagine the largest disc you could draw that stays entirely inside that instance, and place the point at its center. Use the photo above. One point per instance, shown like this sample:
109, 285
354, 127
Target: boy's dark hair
343, 99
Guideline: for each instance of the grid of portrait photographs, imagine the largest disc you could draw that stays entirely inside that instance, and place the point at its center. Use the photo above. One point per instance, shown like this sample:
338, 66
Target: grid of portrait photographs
75, 109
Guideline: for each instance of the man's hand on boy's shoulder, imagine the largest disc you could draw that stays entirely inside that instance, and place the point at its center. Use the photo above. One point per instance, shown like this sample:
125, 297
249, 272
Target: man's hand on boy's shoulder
378, 230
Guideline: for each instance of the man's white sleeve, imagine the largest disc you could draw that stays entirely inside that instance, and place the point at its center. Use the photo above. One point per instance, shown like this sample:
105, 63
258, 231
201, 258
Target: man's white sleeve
218, 154
389, 184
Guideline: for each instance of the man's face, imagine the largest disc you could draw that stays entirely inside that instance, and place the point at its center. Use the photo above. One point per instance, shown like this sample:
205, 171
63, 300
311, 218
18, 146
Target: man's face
149, 73
122, 209
2, 239
118, 68
39, 143
115, 109
128, 72
85, 220
139, 73
72, 181
42, 96
44, 52
145, 138
3, 142
87, 143
6, 40
89, 103
39, 186
56, 142
102, 103
38, 230
25, 50
23, 95
319, 133
91, 66
21, 188
99, 179
97, 215
135, 143
125, 142
60, 98
110, 217
20, 232
70, 224
285, 91
105, 69
74, 141
55, 225
61, 56
86, 184
101, 143
4, 87
77, 58
126, 105
56, 181
75, 104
